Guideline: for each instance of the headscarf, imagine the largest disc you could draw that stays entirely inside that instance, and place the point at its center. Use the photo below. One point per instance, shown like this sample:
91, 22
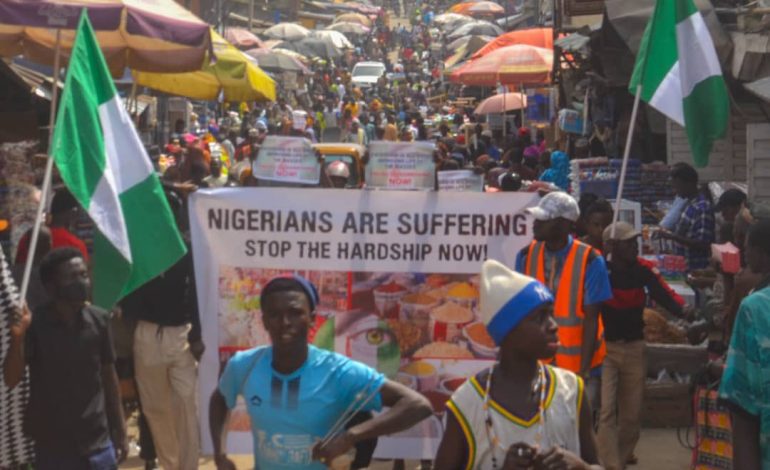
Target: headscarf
558, 174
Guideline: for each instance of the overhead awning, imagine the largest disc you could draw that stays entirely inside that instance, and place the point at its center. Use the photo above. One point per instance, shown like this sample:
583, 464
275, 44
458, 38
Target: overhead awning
629, 19
761, 88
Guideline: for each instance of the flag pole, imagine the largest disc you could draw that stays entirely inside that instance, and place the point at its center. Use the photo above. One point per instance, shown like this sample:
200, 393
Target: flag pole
626, 153
32, 247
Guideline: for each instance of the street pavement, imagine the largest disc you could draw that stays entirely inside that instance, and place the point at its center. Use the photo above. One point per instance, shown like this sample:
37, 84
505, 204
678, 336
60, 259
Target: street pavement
658, 449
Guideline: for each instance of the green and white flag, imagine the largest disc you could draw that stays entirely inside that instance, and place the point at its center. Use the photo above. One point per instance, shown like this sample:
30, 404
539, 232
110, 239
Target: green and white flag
104, 164
680, 75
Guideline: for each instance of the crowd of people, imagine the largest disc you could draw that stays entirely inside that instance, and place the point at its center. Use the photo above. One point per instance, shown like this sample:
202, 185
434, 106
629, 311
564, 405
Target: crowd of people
567, 318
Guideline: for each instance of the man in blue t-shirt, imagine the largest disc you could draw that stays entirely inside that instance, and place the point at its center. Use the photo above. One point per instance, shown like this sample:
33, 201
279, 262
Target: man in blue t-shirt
296, 394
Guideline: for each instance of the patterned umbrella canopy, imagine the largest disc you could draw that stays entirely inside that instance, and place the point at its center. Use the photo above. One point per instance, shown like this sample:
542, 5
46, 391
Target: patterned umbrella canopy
277, 61
354, 18
234, 74
478, 28
339, 40
485, 8
501, 102
149, 35
242, 38
518, 64
348, 28
287, 32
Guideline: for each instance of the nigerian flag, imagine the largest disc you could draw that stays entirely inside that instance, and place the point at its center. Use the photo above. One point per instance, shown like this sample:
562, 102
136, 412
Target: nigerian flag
680, 75
105, 166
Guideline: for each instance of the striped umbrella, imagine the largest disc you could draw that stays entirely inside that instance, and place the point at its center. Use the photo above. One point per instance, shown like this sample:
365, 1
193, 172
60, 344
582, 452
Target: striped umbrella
148, 35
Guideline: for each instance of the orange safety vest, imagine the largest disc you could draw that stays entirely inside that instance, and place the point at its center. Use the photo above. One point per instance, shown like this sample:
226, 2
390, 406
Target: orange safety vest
568, 307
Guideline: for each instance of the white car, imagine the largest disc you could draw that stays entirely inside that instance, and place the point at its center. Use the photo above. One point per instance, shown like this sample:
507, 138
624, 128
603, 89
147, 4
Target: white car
366, 74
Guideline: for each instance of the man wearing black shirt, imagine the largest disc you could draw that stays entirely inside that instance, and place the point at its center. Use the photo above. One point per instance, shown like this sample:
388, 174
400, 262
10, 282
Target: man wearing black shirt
74, 413
623, 374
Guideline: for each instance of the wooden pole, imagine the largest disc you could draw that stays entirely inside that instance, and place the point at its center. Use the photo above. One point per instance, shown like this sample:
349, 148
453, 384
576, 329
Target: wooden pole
48, 171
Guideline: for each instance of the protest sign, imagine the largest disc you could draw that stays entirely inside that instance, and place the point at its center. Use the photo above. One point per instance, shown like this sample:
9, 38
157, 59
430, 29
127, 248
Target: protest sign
460, 180
400, 165
287, 160
397, 273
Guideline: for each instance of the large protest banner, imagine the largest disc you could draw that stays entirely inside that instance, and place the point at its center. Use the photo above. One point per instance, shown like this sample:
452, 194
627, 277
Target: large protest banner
397, 273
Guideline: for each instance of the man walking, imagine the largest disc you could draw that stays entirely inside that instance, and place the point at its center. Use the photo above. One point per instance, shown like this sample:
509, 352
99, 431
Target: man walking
298, 396
577, 275
624, 371
74, 414
167, 344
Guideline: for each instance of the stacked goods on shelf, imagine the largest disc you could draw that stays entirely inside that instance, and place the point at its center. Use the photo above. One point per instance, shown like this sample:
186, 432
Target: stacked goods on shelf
600, 176
593, 175
655, 188
632, 189
18, 194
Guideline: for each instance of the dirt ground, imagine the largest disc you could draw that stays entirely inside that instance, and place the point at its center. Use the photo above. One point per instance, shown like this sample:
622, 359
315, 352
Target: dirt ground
658, 449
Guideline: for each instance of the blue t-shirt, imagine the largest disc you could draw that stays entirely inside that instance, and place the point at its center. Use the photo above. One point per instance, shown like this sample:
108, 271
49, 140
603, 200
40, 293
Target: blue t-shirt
289, 413
597, 281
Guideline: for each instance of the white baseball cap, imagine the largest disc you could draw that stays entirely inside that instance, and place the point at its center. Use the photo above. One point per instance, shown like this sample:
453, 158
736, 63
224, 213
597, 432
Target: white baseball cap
555, 205
506, 297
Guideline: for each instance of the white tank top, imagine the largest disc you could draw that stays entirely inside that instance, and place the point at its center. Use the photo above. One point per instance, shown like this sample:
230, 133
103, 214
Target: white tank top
562, 412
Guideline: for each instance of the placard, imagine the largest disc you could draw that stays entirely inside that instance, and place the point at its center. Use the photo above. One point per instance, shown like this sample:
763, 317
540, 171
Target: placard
401, 165
287, 160
460, 180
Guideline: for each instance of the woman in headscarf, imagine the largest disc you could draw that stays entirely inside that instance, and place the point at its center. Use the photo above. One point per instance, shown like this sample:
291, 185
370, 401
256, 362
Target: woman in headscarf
558, 174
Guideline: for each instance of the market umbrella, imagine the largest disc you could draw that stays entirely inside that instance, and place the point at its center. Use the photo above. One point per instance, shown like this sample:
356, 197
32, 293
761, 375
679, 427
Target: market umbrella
538, 37
287, 32
517, 64
472, 43
312, 47
502, 102
354, 18
339, 40
485, 8
293, 54
461, 8
446, 18
478, 28
149, 35
235, 75
277, 61
464, 47
348, 28
242, 38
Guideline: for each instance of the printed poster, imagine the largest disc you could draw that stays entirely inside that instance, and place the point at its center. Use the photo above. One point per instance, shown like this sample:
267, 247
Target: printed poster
460, 180
287, 160
397, 273
401, 165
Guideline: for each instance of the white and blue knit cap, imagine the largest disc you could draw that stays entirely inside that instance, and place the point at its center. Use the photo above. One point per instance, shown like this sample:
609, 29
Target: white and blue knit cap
507, 297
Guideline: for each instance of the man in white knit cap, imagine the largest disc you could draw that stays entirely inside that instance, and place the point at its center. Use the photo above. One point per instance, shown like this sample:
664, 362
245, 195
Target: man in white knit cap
520, 412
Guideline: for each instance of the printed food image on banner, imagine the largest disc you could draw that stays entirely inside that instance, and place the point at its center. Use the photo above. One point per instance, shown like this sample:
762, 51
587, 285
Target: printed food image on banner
414, 328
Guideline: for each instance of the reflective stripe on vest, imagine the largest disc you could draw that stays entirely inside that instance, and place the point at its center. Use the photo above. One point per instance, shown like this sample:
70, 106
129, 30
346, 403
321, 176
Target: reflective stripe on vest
568, 306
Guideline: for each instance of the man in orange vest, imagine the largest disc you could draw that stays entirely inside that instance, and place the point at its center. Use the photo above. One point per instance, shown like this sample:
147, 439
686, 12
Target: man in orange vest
577, 275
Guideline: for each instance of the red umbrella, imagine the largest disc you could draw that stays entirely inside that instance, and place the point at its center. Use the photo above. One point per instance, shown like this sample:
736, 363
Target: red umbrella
518, 64
538, 37
502, 102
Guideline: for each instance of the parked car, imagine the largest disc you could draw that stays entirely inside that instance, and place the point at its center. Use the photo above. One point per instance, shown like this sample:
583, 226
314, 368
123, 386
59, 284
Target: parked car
366, 74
